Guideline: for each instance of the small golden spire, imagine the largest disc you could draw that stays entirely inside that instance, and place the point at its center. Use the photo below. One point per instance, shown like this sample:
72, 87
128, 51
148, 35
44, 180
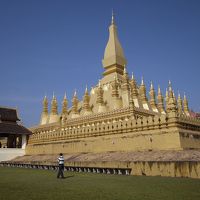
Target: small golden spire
125, 73
64, 104
99, 94
160, 101
180, 104
172, 104
133, 84
131, 102
44, 114
152, 97
125, 84
166, 99
185, 105
142, 90
54, 106
45, 105
75, 104
171, 95
86, 101
114, 84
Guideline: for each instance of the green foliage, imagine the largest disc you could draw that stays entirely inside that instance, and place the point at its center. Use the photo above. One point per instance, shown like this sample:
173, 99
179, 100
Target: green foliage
35, 184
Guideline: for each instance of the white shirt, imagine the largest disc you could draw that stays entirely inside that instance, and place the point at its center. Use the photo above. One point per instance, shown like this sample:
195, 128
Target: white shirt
61, 160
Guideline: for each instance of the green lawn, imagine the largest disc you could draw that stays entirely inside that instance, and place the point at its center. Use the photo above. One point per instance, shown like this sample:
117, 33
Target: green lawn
28, 184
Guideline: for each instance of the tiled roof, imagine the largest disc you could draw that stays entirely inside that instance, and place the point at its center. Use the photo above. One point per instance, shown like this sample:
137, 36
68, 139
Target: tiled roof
194, 114
8, 114
13, 128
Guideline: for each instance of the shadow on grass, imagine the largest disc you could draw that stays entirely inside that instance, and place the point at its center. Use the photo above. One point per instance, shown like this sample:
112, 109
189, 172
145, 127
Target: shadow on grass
69, 176
66, 177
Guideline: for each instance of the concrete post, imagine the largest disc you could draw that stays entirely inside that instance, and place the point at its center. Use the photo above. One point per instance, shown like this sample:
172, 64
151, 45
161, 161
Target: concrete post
23, 141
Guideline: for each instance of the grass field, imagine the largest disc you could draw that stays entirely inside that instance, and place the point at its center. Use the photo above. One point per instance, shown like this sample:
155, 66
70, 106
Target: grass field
29, 184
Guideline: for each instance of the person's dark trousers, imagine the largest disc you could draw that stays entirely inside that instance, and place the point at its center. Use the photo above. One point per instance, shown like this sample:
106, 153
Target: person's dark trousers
60, 171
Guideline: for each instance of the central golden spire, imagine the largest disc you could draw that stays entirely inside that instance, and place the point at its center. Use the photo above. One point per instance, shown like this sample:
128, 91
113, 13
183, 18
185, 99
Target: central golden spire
114, 59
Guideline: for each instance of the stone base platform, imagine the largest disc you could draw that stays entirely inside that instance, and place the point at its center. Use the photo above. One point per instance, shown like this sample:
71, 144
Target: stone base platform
152, 163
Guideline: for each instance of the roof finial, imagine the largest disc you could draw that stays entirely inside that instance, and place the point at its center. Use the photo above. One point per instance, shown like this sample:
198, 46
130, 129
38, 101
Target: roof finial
99, 83
45, 95
151, 85
86, 89
184, 96
45, 98
170, 86
142, 81
125, 70
179, 95
159, 90
132, 77
173, 93
113, 21
75, 93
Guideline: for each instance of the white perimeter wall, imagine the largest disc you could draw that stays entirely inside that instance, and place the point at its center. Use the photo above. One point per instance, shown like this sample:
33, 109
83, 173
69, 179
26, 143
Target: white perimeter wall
10, 153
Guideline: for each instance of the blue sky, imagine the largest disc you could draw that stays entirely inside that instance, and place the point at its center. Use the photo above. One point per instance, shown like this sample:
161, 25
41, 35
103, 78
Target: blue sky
58, 45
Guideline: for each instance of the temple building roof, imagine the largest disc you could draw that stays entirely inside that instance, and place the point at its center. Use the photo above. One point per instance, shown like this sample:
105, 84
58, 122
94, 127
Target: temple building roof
8, 123
8, 114
10, 128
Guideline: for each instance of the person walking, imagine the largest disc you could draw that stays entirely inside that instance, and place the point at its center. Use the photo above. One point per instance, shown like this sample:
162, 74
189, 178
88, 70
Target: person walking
60, 166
